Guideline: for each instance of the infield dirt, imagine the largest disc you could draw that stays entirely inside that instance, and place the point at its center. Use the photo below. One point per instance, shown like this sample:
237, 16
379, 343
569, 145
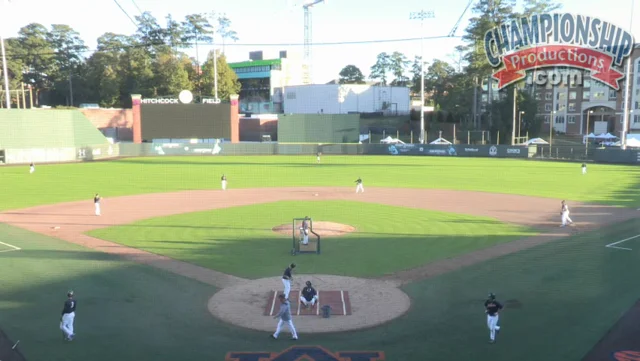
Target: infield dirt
70, 221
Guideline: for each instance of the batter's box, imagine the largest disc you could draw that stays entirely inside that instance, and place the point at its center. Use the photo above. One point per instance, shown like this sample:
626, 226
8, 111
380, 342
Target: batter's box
6, 247
338, 301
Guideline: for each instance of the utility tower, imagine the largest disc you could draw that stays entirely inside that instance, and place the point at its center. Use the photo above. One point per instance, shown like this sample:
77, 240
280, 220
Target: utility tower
306, 66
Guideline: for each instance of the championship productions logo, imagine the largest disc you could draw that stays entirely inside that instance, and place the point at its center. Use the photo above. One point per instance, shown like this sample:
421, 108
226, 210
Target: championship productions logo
558, 40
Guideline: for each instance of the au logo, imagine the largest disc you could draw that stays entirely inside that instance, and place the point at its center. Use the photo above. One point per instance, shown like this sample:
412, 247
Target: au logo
626, 356
306, 353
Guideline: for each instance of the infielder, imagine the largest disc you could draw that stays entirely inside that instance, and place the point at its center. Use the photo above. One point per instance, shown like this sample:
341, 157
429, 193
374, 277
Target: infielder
565, 214
584, 168
309, 296
318, 157
287, 278
359, 187
304, 230
32, 168
285, 317
223, 181
68, 316
96, 203
491, 309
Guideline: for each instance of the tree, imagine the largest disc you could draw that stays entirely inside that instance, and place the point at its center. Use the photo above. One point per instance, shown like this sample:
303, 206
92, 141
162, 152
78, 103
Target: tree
228, 83
416, 74
532, 7
351, 74
107, 71
438, 81
151, 35
398, 64
68, 58
225, 31
197, 29
36, 54
174, 33
171, 77
380, 70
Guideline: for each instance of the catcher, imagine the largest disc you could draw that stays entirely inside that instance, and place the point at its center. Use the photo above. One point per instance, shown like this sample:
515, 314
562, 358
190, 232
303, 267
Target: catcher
309, 295
304, 230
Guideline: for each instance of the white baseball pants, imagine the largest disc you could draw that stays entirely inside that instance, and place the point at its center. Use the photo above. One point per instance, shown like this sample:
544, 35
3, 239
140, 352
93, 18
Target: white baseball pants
287, 287
492, 323
66, 325
360, 188
312, 302
224, 185
290, 325
97, 209
584, 170
565, 218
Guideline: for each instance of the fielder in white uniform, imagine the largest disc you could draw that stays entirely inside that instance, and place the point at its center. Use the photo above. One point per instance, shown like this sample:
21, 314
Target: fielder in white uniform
223, 181
565, 215
32, 168
492, 307
359, 187
96, 202
287, 278
584, 168
304, 230
68, 316
285, 318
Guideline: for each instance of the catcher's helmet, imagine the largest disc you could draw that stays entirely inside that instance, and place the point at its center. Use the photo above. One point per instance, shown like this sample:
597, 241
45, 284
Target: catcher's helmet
308, 283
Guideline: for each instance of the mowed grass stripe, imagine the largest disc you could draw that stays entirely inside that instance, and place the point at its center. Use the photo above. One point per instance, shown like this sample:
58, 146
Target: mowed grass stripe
50, 184
239, 240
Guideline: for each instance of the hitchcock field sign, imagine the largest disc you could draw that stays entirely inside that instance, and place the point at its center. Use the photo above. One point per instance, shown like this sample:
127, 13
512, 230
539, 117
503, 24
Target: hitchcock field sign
558, 40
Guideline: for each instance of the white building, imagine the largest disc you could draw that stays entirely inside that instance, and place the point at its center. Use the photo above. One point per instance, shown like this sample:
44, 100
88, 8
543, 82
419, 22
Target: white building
346, 98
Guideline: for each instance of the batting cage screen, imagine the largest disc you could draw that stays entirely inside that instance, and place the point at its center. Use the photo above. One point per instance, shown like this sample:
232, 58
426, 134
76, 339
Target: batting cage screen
305, 240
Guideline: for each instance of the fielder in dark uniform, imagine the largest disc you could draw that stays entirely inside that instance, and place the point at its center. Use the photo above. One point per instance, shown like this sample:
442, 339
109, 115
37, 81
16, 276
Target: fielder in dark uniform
287, 277
492, 307
68, 316
309, 295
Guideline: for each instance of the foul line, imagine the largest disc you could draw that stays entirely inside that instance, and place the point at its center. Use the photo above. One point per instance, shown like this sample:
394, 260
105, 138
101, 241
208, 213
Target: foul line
273, 303
344, 305
13, 248
299, 301
613, 245
318, 303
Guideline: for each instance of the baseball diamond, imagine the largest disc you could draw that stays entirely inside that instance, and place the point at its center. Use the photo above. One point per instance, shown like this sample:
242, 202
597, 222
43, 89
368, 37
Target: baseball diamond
195, 271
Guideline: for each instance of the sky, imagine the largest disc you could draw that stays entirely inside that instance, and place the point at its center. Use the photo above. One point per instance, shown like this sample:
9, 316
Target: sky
276, 25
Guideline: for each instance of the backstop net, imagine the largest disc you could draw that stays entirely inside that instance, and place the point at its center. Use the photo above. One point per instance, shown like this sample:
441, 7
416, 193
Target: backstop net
305, 240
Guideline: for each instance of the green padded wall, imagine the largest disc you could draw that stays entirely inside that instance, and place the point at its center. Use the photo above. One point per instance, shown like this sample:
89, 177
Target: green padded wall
319, 128
47, 128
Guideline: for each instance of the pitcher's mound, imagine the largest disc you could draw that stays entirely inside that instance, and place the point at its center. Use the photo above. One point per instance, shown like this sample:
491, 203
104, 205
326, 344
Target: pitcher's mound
324, 229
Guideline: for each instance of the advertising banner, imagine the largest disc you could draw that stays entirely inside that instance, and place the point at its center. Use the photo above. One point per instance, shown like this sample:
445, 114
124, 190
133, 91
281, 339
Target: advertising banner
487, 151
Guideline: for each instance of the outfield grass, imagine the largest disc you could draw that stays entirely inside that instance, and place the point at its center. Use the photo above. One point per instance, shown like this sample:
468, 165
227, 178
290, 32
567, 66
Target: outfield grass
236, 240
610, 184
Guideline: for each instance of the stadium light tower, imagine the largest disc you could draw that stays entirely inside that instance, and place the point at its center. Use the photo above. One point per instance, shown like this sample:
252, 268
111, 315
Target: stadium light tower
307, 38
627, 91
421, 15
4, 61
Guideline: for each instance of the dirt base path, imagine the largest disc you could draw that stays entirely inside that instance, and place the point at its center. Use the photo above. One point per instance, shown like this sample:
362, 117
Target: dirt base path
70, 221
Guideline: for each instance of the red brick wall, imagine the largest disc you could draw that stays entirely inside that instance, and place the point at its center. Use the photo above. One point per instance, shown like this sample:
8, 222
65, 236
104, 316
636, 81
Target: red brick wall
121, 119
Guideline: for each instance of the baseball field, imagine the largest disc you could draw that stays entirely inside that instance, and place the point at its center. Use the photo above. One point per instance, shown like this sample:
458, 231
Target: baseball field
177, 269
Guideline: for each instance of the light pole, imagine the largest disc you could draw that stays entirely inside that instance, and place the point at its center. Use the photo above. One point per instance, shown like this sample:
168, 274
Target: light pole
520, 125
627, 83
4, 62
421, 15
551, 120
586, 141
